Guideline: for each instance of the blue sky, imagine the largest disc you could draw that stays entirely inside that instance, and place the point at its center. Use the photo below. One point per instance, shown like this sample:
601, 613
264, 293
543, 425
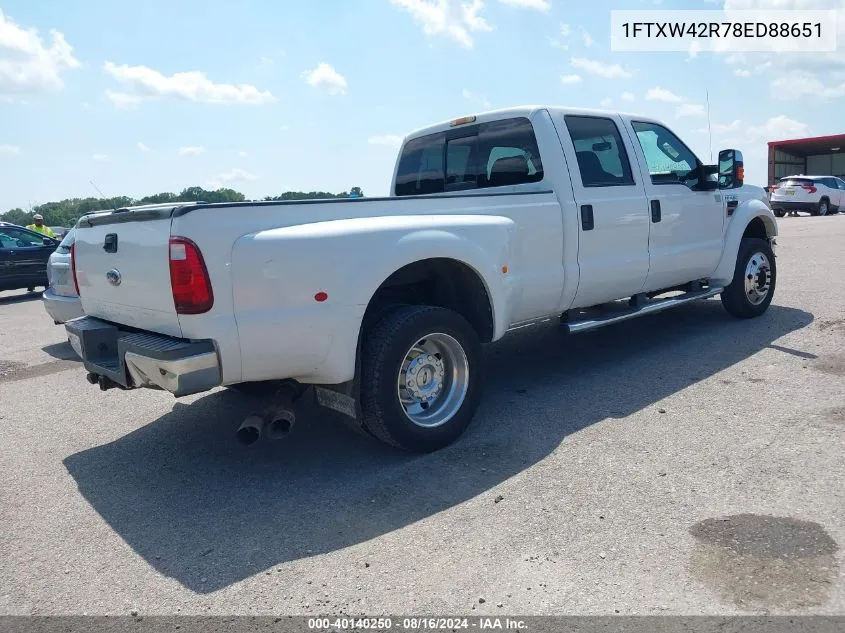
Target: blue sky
272, 96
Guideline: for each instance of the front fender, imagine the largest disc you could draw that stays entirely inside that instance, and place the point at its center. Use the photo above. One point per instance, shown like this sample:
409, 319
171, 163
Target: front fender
744, 214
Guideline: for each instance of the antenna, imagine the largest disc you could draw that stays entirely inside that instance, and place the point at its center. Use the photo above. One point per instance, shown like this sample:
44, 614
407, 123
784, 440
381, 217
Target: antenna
709, 132
91, 182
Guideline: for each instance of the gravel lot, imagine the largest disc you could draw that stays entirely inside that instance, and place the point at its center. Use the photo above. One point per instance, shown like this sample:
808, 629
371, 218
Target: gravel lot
682, 463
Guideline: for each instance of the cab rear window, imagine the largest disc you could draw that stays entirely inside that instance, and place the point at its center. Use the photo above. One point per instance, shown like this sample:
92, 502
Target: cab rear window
480, 156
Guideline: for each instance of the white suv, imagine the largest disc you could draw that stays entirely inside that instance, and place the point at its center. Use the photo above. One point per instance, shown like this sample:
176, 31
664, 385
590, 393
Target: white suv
817, 195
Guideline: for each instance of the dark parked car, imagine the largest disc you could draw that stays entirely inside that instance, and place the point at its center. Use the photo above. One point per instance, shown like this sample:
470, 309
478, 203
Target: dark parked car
23, 257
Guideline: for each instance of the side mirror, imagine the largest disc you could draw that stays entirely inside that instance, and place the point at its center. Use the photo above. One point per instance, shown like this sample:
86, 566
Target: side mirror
49, 241
731, 169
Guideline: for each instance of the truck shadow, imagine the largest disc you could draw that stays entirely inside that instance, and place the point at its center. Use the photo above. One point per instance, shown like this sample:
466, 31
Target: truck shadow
19, 297
203, 510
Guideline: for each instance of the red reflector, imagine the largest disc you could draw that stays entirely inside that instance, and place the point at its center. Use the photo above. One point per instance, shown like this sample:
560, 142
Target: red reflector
189, 278
321, 296
73, 265
809, 188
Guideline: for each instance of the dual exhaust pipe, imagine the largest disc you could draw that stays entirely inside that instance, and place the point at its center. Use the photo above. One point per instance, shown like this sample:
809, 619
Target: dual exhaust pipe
256, 426
275, 422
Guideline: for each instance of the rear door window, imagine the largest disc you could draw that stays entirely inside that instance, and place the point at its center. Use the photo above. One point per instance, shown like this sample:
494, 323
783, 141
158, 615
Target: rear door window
602, 159
482, 156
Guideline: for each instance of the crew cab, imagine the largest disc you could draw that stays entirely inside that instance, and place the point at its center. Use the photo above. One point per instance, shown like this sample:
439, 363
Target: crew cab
494, 221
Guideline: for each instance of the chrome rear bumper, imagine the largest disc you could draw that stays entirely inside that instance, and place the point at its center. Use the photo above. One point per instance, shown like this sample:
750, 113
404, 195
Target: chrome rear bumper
134, 360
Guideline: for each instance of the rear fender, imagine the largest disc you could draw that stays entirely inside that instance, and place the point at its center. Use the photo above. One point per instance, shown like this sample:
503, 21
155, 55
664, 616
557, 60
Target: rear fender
744, 214
316, 280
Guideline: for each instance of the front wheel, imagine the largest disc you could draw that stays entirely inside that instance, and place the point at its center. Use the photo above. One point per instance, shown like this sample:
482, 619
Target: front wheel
824, 207
420, 377
753, 286
779, 212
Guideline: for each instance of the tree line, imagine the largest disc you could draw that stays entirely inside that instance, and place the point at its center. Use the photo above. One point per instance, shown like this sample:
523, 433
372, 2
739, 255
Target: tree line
67, 212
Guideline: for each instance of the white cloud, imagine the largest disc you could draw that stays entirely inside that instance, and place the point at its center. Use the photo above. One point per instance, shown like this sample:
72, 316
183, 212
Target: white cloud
565, 29
586, 37
570, 79
388, 140
775, 128
627, 96
100, 157
242, 154
606, 102
190, 86
690, 109
122, 100
778, 128
142, 147
610, 71
661, 94
825, 70
539, 5
480, 100
9, 149
555, 43
27, 65
266, 61
447, 18
741, 72
191, 150
231, 176
799, 84
284, 128
325, 77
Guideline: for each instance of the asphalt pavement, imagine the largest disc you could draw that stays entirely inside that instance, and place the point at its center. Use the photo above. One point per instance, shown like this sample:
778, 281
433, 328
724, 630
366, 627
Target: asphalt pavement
683, 463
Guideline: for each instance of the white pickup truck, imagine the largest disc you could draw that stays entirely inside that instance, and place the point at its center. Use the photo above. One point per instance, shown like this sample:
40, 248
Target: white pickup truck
382, 304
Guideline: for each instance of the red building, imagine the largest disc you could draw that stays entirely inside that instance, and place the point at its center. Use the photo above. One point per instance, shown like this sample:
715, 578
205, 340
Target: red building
816, 156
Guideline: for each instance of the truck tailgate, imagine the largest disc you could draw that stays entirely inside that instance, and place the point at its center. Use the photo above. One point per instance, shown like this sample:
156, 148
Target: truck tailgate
123, 270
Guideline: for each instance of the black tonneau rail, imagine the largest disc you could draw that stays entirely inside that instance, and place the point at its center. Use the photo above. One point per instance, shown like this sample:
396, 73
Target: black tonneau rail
178, 210
269, 203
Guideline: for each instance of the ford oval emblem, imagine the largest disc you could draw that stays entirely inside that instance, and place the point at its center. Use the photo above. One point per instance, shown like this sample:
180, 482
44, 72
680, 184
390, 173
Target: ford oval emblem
113, 276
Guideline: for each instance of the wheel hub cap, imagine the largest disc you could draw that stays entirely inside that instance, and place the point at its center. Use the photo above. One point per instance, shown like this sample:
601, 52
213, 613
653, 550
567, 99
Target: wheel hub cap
758, 278
424, 377
433, 380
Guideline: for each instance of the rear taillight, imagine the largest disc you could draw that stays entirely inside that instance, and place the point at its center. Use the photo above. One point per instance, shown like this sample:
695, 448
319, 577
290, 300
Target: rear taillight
189, 278
73, 266
774, 188
809, 188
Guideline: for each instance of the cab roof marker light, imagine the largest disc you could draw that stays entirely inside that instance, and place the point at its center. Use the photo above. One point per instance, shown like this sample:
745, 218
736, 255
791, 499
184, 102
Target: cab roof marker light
462, 121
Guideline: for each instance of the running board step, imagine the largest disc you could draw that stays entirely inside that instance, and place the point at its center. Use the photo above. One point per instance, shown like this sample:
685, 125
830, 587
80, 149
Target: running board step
651, 307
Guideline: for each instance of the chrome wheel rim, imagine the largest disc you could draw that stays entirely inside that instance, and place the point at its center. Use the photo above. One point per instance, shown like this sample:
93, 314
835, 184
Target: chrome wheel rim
823, 208
433, 380
758, 278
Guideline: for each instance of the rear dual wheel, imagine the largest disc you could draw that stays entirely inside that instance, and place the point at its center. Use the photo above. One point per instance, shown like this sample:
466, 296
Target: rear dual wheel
420, 377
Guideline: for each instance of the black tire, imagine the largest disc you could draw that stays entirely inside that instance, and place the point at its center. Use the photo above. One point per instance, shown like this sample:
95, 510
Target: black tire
735, 299
384, 348
779, 212
823, 208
